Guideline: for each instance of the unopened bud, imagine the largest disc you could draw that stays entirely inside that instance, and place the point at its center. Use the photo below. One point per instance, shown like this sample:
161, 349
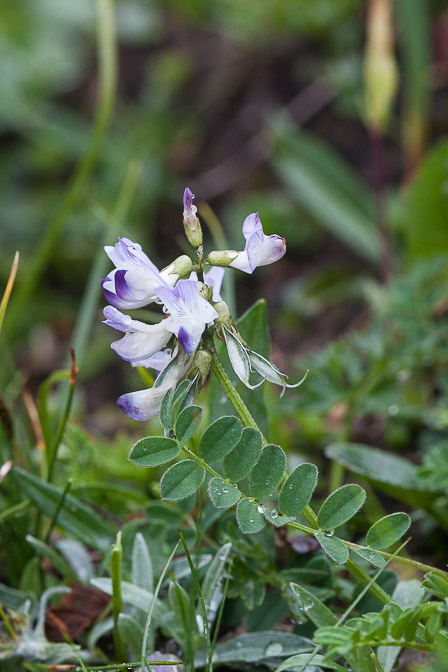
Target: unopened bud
222, 257
191, 222
223, 313
201, 364
380, 69
205, 291
181, 266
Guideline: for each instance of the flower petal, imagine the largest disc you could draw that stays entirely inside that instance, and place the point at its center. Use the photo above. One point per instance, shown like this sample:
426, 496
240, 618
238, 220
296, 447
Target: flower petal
239, 358
144, 404
157, 362
214, 278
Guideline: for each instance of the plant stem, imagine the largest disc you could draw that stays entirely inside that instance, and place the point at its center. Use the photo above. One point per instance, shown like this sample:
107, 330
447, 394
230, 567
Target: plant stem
115, 564
59, 506
245, 415
107, 87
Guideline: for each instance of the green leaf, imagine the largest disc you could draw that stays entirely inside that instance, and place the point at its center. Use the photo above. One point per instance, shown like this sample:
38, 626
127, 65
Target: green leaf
239, 463
256, 646
180, 398
312, 607
131, 633
249, 517
268, 472
278, 521
300, 662
53, 556
298, 489
181, 480
153, 451
78, 557
340, 506
426, 200
142, 573
253, 327
220, 438
165, 410
223, 494
74, 516
370, 556
333, 547
187, 423
394, 475
211, 585
388, 530
326, 185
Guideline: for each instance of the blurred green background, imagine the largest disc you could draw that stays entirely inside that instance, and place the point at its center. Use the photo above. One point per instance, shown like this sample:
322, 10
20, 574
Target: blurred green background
255, 106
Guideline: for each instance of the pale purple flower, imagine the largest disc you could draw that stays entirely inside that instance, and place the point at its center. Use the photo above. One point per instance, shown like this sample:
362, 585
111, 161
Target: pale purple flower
140, 340
132, 283
145, 404
260, 249
214, 278
190, 210
189, 313
157, 361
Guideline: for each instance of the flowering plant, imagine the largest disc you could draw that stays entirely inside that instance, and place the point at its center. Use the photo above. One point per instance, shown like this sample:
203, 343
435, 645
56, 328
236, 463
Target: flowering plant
181, 344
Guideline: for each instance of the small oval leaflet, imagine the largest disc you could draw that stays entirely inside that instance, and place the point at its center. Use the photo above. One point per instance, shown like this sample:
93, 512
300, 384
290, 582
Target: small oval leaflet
222, 494
340, 506
248, 517
268, 472
181, 480
220, 438
297, 489
187, 422
153, 451
239, 463
388, 530
371, 557
333, 547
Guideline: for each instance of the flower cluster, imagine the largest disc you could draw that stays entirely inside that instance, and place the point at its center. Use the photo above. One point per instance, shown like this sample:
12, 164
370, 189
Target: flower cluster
189, 293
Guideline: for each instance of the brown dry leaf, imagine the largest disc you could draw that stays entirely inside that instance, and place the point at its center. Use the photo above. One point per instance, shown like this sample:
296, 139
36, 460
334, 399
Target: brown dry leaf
76, 612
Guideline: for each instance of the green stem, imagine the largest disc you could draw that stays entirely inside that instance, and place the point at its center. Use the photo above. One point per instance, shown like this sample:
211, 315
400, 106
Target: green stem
107, 87
115, 564
8, 625
54, 447
59, 506
363, 578
245, 415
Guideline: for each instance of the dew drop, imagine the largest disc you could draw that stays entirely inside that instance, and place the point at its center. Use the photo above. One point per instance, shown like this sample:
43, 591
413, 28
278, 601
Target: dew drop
290, 486
251, 520
273, 649
393, 409
267, 481
329, 533
273, 513
308, 604
225, 491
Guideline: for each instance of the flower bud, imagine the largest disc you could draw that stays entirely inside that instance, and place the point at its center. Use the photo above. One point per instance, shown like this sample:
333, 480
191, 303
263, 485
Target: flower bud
222, 257
181, 266
223, 312
201, 364
191, 222
380, 69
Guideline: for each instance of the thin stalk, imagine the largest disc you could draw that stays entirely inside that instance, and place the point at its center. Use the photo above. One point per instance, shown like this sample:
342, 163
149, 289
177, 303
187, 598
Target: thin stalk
117, 603
107, 55
154, 598
203, 609
364, 579
21, 507
59, 506
52, 453
8, 288
8, 626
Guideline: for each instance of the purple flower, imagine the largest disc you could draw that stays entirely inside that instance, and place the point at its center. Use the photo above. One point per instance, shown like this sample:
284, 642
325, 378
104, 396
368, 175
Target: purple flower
214, 278
260, 249
132, 283
189, 313
145, 404
190, 210
140, 340
157, 361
